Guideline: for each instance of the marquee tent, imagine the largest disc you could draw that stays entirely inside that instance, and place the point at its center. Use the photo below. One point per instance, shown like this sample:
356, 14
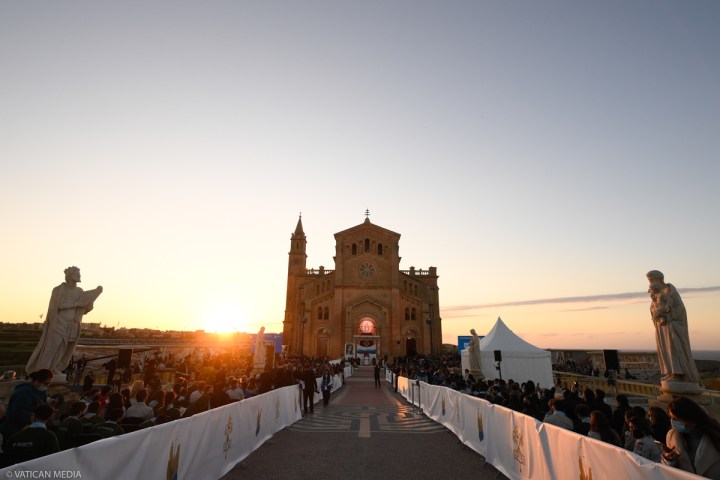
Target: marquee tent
521, 360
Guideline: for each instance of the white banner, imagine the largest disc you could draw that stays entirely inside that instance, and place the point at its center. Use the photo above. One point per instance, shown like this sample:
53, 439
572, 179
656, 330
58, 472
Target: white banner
523, 448
206, 445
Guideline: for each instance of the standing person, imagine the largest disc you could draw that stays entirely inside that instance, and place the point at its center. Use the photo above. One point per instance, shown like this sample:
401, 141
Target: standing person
70, 369
326, 386
376, 371
693, 442
23, 401
310, 389
110, 366
88, 381
80, 368
61, 330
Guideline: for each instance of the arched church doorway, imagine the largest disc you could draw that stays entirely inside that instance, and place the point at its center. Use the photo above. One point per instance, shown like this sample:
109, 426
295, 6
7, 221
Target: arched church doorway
410, 347
410, 343
321, 342
367, 341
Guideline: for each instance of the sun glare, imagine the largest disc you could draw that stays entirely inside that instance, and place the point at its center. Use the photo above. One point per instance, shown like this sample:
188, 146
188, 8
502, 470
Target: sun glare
224, 318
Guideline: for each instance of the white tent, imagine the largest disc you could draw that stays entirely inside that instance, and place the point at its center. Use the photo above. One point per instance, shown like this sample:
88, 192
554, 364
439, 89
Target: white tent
521, 361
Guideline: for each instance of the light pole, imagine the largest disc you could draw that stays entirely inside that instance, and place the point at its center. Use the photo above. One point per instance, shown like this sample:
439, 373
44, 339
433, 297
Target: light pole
430, 324
303, 321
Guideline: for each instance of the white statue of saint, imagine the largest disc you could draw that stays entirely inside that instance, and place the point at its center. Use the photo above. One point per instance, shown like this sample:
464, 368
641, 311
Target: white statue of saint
671, 331
259, 357
474, 353
61, 331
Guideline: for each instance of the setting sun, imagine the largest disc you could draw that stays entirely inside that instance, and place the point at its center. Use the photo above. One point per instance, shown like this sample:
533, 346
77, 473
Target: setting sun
224, 318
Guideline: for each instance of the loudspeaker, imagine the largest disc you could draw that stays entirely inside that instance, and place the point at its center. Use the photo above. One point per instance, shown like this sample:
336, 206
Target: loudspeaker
269, 357
611, 360
124, 357
498, 356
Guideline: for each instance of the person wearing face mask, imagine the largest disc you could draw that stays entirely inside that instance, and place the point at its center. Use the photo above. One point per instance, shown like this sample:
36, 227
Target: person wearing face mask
693, 442
23, 401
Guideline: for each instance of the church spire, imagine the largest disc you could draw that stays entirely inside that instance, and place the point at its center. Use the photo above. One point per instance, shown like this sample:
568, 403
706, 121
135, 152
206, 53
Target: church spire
299, 228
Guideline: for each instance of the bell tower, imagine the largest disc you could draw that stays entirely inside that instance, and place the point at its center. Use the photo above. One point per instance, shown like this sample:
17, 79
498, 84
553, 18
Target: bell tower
297, 264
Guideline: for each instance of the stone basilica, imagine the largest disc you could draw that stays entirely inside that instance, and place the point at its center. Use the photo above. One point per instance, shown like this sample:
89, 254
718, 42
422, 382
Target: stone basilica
366, 306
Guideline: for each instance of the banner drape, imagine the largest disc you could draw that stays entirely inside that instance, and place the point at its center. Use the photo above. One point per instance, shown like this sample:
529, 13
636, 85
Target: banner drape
522, 447
206, 445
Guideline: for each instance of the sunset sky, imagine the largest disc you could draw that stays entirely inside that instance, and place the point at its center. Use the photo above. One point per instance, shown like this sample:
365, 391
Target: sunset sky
542, 155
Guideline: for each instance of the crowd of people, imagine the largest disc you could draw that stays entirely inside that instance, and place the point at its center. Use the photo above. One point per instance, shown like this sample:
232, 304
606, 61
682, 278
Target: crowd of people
685, 436
34, 424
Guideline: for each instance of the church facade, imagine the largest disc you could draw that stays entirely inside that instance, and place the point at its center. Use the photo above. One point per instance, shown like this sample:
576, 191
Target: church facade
366, 306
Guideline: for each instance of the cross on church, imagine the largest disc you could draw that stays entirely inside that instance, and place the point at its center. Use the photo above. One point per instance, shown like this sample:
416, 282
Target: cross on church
367, 213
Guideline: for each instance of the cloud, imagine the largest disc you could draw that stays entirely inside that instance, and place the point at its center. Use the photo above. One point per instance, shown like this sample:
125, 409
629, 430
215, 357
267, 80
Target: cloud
585, 309
455, 310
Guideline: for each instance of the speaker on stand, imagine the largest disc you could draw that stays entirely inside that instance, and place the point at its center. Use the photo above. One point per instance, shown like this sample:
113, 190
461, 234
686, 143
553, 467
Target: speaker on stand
123, 365
498, 359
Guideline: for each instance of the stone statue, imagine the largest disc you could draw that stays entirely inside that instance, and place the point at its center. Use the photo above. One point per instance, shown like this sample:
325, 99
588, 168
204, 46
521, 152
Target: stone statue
671, 331
474, 355
68, 304
259, 357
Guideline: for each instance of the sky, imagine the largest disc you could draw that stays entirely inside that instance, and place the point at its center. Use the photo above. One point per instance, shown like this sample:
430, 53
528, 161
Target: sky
542, 155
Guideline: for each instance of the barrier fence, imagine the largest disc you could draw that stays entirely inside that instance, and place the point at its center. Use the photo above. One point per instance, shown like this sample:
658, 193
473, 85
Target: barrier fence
210, 444
206, 445
522, 447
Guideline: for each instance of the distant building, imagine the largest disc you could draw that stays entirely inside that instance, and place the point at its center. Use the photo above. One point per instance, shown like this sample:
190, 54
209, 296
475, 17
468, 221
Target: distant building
366, 300
89, 327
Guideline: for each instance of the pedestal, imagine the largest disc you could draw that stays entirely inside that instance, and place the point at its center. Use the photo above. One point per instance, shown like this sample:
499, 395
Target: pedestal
672, 389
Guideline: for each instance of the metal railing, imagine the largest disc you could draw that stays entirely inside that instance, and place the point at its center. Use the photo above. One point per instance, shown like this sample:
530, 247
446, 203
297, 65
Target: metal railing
625, 387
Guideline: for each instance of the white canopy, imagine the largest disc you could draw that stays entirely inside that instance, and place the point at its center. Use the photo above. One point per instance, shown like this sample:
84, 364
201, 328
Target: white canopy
521, 360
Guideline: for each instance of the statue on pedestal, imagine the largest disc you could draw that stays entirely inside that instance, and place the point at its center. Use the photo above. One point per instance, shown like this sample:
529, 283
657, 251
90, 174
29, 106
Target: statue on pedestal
61, 331
671, 333
259, 356
475, 365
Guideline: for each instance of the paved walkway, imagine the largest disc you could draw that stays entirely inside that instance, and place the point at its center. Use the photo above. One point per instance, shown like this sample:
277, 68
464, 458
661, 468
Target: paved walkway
365, 433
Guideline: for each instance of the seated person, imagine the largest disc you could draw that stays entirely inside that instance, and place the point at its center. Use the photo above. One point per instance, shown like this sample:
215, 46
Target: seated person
110, 427
645, 445
140, 409
91, 416
36, 440
71, 426
582, 412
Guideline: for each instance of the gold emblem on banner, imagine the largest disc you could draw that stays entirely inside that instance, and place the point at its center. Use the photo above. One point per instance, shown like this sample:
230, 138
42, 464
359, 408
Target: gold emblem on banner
583, 474
174, 461
228, 440
519, 443
259, 417
481, 433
